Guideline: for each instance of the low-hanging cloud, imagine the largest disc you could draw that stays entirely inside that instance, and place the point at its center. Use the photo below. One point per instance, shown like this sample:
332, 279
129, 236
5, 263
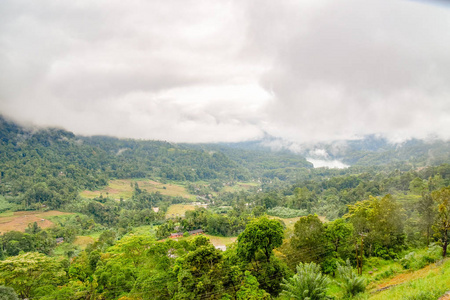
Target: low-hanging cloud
210, 71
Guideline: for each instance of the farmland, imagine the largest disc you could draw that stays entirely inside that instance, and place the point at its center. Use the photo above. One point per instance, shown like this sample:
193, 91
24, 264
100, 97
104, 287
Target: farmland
123, 188
19, 220
178, 210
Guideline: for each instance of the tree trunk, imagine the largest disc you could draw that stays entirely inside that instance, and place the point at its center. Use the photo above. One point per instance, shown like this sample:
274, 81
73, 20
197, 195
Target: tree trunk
444, 244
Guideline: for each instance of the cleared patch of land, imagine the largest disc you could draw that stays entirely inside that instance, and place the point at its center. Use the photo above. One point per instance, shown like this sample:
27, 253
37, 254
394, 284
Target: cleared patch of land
83, 241
19, 220
239, 186
221, 241
215, 240
178, 210
123, 188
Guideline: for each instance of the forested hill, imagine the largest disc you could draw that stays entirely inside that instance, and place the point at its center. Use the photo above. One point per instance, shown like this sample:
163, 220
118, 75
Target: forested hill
58, 162
368, 151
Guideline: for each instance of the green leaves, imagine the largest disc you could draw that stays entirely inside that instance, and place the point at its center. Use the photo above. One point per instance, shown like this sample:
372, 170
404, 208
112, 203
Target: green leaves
260, 235
350, 282
308, 284
28, 271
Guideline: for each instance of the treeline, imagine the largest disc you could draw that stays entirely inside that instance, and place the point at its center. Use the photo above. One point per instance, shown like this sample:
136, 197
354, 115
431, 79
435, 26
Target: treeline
329, 192
48, 167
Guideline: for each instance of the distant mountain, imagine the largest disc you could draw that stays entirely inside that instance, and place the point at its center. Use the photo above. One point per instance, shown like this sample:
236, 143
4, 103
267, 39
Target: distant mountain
369, 151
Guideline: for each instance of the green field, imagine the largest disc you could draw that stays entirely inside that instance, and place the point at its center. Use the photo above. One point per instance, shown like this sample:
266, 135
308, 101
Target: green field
123, 188
239, 186
178, 210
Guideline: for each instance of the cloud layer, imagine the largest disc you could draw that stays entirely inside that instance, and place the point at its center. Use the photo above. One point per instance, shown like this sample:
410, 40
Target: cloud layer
210, 71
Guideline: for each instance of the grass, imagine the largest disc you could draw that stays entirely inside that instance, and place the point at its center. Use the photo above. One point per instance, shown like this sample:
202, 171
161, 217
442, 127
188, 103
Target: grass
7, 214
430, 282
220, 240
240, 186
178, 210
401, 283
215, 240
123, 188
143, 230
84, 241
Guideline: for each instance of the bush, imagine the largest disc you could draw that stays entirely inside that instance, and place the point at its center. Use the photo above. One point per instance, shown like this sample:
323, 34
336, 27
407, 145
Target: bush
416, 261
385, 274
285, 213
308, 284
351, 283
426, 295
7, 293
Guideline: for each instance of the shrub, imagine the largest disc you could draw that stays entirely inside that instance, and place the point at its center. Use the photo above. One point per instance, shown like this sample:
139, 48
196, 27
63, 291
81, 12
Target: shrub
7, 293
426, 295
308, 284
385, 274
416, 261
351, 283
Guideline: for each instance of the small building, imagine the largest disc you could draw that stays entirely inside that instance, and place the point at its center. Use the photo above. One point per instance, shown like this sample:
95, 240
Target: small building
176, 235
59, 240
195, 232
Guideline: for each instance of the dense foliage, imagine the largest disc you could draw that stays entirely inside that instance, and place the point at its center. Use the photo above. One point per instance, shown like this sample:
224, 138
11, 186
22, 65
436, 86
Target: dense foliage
298, 230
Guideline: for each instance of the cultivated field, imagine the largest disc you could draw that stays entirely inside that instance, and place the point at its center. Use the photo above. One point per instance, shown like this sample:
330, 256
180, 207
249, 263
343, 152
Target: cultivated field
240, 186
83, 241
19, 220
178, 210
123, 188
221, 241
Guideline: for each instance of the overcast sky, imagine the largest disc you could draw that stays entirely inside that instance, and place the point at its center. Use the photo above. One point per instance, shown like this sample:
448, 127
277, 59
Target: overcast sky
227, 71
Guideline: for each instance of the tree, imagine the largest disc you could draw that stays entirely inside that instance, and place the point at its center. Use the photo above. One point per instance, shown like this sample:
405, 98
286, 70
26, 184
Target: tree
7, 293
308, 243
199, 273
250, 290
380, 221
255, 249
442, 223
338, 232
351, 283
260, 236
29, 271
308, 284
427, 210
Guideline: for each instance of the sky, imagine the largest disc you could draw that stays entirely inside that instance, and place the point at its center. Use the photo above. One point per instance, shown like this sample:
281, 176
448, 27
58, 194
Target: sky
304, 71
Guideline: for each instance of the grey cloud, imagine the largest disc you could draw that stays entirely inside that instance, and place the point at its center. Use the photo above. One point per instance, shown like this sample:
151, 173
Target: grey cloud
187, 71
99, 67
350, 68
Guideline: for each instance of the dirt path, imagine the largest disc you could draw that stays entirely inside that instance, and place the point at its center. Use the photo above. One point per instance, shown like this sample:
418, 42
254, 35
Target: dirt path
404, 277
